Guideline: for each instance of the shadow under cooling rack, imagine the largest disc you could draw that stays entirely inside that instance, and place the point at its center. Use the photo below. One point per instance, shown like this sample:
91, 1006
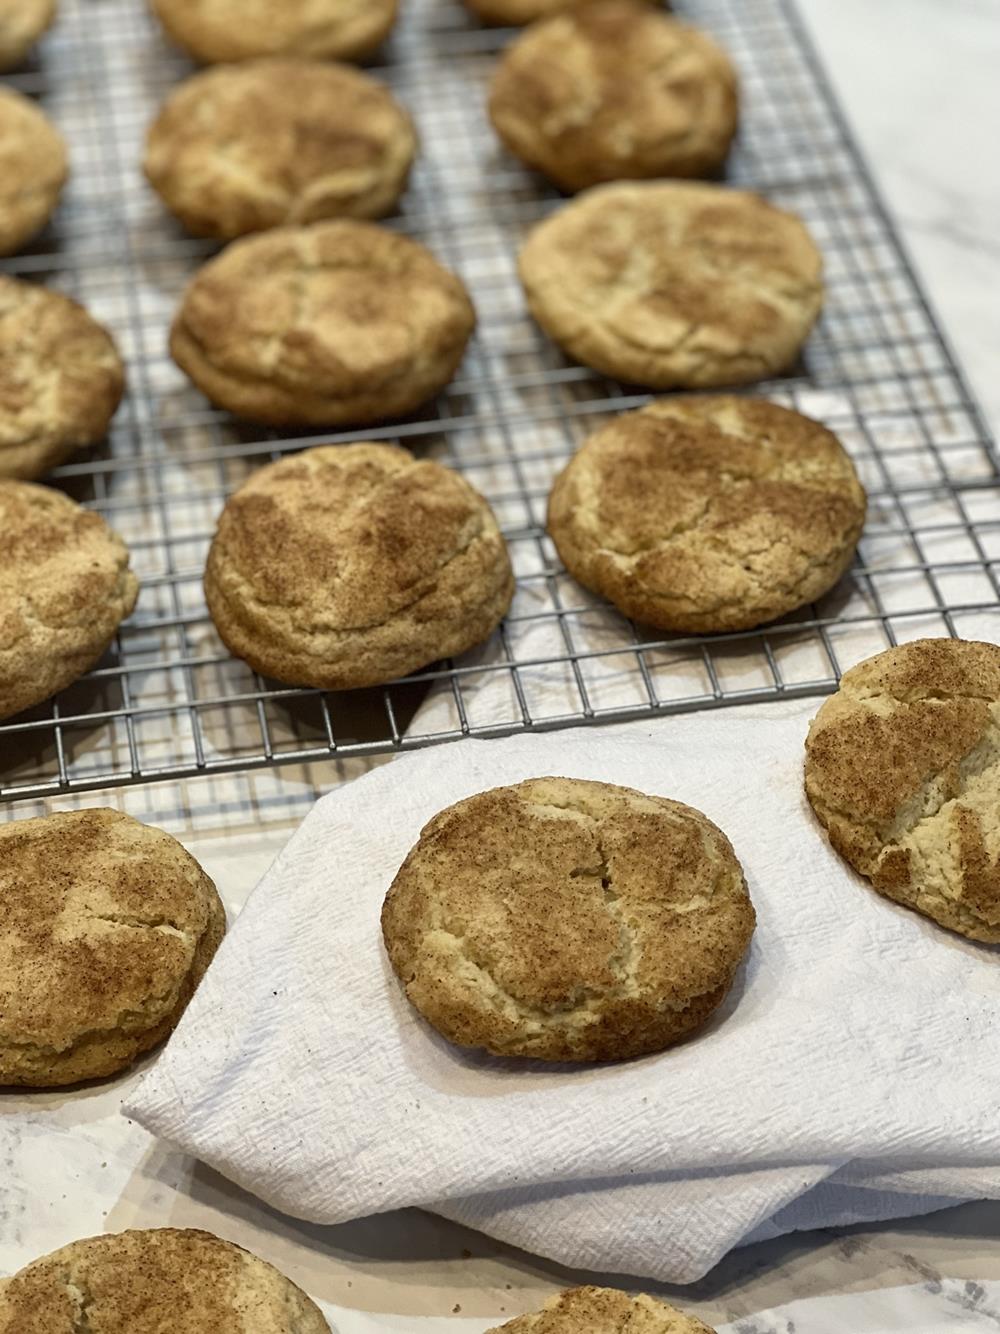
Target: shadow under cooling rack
169, 701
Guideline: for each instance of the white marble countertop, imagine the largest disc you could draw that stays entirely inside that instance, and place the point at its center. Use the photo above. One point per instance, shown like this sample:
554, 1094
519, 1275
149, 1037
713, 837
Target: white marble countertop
918, 81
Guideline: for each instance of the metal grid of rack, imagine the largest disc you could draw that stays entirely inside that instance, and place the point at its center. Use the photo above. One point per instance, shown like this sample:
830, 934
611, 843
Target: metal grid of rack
169, 701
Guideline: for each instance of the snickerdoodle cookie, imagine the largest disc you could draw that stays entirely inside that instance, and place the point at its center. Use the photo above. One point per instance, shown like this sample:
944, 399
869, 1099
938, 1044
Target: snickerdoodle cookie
240, 148
903, 771
672, 284
350, 565
708, 513
603, 1311
615, 90
155, 1281
567, 920
217, 31
107, 927
22, 22
341, 322
33, 169
65, 587
516, 13
61, 379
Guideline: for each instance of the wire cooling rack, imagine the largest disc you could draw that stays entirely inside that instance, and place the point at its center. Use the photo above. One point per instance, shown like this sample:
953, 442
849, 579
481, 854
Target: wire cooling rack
169, 701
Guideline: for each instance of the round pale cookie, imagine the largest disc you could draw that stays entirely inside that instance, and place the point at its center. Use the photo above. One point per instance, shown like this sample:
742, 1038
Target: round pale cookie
710, 513
568, 921
341, 322
903, 772
61, 379
218, 31
351, 565
671, 284
516, 13
65, 587
33, 169
155, 1281
612, 91
241, 148
107, 927
22, 22
603, 1311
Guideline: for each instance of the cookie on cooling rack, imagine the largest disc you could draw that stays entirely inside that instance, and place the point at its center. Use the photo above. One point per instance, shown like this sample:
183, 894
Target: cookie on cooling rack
673, 284
903, 772
218, 31
708, 513
603, 1311
33, 169
615, 90
65, 587
567, 921
166, 1279
61, 379
516, 13
22, 22
108, 926
341, 322
351, 565
240, 148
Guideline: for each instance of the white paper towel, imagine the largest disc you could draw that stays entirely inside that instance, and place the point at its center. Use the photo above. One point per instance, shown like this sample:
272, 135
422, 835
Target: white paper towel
852, 1073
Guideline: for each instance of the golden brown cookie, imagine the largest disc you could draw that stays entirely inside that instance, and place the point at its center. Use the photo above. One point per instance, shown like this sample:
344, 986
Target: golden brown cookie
615, 90
155, 1281
33, 169
65, 587
341, 322
516, 13
106, 927
568, 921
708, 513
61, 379
22, 22
671, 284
603, 1311
241, 148
351, 565
903, 772
217, 31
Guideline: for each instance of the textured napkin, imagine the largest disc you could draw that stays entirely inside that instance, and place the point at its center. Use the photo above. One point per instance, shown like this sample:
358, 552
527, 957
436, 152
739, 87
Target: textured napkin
851, 1074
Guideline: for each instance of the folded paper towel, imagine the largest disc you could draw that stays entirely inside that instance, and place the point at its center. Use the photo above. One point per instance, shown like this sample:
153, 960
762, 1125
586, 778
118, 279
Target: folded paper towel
851, 1073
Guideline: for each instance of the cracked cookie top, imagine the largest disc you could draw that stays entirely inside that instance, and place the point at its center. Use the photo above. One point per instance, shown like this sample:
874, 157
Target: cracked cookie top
903, 772
612, 91
593, 1310
65, 587
673, 284
350, 565
338, 322
33, 169
567, 920
22, 22
241, 148
215, 31
106, 926
154, 1280
708, 514
61, 379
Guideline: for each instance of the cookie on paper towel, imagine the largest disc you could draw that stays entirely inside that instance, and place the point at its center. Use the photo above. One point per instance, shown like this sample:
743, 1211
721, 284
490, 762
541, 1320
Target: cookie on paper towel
903, 772
568, 921
603, 1311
